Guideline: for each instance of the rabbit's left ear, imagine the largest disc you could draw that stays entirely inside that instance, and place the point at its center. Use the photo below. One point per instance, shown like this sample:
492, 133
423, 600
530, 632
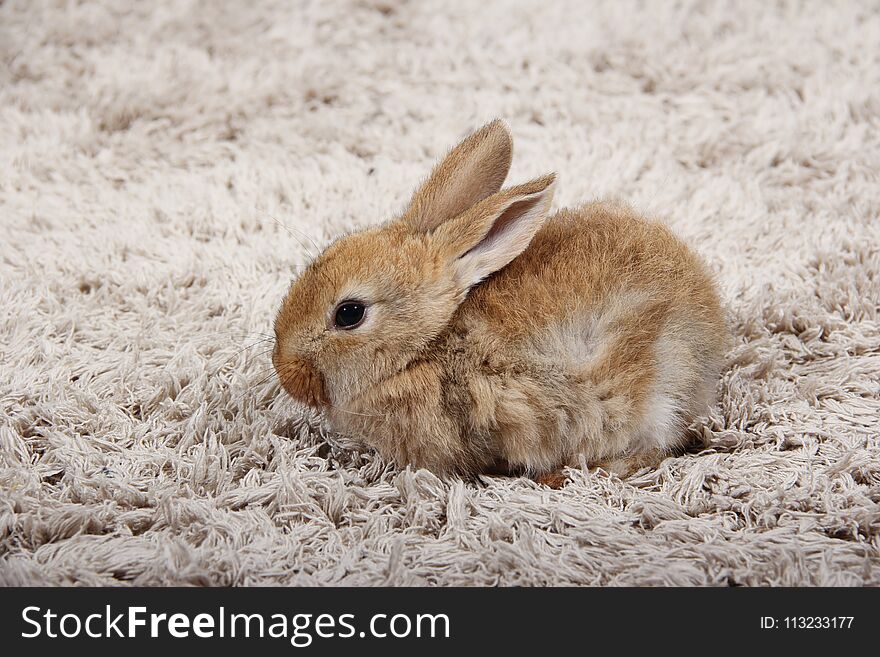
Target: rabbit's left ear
470, 172
496, 230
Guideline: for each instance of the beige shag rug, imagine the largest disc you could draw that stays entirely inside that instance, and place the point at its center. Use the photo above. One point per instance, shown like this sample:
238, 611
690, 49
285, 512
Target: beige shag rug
149, 156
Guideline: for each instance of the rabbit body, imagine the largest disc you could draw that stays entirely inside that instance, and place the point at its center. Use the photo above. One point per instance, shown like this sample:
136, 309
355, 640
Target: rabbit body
500, 338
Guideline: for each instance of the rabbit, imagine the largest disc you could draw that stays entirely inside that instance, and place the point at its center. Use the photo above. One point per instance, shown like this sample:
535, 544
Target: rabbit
478, 333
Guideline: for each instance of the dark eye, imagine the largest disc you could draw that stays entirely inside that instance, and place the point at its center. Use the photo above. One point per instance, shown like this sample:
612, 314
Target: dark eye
349, 314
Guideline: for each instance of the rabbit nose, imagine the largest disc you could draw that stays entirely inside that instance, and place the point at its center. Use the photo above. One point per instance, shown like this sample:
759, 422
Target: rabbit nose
302, 381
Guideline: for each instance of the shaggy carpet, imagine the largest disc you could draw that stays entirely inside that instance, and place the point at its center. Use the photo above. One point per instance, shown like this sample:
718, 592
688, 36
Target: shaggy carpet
165, 167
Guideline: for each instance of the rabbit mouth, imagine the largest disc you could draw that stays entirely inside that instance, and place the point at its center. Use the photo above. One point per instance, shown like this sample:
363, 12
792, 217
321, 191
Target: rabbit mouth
302, 381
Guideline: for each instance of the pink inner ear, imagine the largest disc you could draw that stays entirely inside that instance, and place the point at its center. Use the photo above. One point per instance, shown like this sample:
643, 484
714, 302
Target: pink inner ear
504, 222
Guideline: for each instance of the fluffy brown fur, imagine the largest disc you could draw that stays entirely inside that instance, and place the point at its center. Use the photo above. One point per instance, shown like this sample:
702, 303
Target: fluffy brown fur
500, 338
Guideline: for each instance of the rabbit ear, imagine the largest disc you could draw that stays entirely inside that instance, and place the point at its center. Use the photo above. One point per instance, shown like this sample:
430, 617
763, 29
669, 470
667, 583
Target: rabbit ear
470, 172
495, 231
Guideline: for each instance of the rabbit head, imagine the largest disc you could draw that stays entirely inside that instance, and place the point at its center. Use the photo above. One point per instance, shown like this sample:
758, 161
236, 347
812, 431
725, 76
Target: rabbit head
371, 302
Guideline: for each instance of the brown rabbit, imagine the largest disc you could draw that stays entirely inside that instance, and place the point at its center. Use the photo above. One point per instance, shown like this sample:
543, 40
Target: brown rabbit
477, 333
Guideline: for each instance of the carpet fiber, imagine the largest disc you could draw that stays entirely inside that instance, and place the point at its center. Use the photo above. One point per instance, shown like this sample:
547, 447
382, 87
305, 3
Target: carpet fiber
165, 169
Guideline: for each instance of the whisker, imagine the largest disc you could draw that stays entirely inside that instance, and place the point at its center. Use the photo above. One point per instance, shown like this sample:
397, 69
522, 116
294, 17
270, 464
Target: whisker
262, 371
304, 234
252, 356
236, 336
224, 364
284, 371
288, 229
251, 346
239, 352
264, 380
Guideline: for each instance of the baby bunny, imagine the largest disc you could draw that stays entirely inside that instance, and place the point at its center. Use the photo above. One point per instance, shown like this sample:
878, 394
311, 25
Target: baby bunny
478, 333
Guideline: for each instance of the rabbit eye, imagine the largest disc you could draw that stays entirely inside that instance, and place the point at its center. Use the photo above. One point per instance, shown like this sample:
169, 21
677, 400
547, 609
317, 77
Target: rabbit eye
349, 314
